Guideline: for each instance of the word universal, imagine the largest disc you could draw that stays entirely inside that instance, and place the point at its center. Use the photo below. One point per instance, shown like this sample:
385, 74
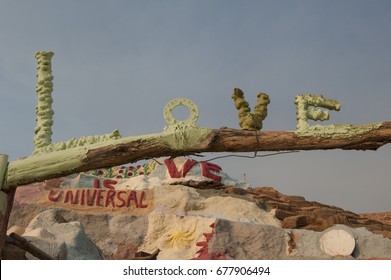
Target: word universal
99, 198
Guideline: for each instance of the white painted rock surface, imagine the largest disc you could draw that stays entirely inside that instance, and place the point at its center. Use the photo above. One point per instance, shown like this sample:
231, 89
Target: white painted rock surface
337, 241
49, 232
180, 208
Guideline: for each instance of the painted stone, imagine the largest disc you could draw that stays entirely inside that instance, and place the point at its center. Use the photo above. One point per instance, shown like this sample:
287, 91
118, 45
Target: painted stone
49, 231
180, 226
337, 241
254, 241
153, 174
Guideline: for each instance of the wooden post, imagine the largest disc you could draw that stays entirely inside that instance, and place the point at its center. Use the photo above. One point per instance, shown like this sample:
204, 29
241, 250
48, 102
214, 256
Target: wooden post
6, 201
3, 177
23, 243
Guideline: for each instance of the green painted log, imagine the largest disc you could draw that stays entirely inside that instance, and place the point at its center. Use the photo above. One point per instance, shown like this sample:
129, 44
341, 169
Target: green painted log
185, 142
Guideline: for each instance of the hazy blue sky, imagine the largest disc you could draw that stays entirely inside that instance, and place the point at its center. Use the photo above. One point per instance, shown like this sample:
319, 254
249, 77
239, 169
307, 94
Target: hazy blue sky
117, 64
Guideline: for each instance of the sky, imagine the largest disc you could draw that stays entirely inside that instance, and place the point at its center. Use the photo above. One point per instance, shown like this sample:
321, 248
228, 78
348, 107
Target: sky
117, 64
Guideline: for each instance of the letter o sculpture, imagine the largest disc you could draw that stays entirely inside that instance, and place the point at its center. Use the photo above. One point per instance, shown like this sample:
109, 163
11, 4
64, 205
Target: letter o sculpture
191, 120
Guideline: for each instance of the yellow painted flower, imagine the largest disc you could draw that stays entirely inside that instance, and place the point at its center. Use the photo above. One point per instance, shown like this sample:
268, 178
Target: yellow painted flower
179, 237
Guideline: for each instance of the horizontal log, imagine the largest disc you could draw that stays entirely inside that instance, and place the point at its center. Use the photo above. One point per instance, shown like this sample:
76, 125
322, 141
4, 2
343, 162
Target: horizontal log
233, 140
182, 143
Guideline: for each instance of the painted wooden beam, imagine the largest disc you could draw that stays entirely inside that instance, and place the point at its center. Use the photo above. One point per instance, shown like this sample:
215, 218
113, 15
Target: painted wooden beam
187, 142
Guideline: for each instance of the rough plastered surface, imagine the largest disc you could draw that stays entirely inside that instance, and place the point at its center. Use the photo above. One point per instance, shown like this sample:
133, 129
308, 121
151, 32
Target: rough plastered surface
252, 241
187, 201
185, 216
51, 233
185, 209
149, 175
176, 236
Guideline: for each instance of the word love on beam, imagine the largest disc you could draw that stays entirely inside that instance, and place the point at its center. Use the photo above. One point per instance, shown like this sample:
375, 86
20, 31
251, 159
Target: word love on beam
183, 137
